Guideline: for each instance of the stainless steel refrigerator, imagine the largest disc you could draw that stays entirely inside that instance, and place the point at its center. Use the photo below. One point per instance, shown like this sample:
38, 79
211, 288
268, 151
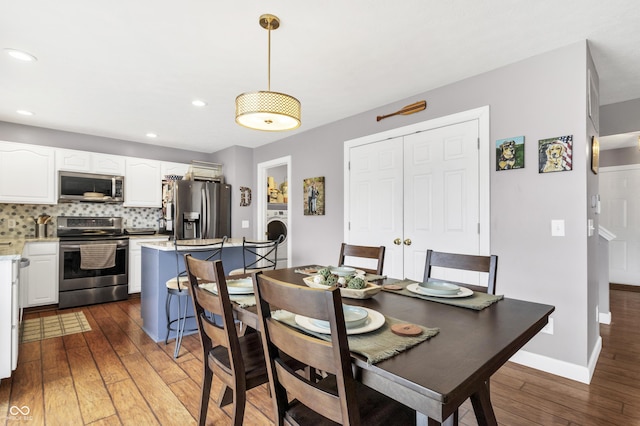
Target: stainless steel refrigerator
197, 209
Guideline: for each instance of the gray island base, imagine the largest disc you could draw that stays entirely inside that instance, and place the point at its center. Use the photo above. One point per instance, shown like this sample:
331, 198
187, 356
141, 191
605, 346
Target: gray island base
159, 266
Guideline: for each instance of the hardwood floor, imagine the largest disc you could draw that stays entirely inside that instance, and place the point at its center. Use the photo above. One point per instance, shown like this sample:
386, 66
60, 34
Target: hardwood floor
115, 374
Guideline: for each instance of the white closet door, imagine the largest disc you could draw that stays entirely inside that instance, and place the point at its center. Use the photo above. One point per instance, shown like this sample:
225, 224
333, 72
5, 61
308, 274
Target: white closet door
376, 200
441, 197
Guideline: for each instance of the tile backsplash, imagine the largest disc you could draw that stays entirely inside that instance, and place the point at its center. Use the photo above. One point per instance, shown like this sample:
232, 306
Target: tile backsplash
24, 214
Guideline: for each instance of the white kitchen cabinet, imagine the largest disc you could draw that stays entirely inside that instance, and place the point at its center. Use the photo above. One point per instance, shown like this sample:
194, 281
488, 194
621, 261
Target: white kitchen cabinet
27, 174
89, 162
39, 281
179, 169
135, 261
142, 183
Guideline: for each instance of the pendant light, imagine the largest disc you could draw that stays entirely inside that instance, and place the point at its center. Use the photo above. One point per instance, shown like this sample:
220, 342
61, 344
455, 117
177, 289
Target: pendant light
267, 110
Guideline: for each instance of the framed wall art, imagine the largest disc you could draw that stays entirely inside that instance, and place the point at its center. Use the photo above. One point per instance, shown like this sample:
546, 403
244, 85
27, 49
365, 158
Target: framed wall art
313, 196
555, 154
510, 153
595, 154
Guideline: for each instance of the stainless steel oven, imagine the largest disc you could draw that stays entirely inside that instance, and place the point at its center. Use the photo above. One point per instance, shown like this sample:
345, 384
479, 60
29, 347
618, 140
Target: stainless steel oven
82, 283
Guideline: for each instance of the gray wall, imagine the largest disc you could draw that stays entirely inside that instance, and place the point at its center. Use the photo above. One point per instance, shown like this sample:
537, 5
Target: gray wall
541, 97
621, 117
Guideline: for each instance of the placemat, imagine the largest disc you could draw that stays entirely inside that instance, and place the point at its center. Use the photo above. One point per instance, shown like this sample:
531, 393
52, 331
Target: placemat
377, 345
478, 301
242, 300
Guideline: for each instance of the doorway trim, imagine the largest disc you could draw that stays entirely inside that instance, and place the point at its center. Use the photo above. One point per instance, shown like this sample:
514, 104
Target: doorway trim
261, 200
482, 114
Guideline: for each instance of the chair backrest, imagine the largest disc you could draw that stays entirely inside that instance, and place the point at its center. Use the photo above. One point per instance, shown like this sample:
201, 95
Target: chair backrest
216, 253
260, 254
467, 262
331, 357
204, 301
363, 252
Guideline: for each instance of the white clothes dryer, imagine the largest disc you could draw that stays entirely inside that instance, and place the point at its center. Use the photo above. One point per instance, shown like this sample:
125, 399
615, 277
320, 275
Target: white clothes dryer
277, 225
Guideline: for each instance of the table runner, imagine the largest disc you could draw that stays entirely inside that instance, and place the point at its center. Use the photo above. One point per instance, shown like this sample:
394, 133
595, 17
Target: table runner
375, 346
478, 301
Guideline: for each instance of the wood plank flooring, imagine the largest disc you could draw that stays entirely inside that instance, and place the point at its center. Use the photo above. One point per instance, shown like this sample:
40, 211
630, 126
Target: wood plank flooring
116, 375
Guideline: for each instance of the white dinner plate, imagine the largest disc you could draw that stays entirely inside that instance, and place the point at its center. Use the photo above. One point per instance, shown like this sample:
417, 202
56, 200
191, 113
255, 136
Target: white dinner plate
237, 286
415, 288
375, 320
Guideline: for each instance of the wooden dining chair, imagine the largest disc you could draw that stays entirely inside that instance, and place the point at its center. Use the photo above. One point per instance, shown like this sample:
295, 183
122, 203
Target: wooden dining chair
238, 361
365, 252
464, 262
258, 255
336, 399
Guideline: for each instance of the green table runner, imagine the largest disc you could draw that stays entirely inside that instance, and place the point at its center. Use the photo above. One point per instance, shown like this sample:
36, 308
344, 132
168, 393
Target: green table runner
478, 301
376, 345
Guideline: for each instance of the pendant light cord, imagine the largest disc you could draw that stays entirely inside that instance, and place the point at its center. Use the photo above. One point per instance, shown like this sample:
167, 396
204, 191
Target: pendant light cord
269, 58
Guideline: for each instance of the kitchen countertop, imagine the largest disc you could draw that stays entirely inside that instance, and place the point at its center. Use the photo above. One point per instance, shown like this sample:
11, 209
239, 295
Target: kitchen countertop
11, 249
188, 245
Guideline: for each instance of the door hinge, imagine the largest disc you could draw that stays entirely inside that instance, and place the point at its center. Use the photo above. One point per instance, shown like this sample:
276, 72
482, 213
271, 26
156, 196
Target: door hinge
478, 144
348, 165
478, 228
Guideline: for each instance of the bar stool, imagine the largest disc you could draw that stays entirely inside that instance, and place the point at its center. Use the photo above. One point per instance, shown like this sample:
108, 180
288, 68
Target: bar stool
176, 287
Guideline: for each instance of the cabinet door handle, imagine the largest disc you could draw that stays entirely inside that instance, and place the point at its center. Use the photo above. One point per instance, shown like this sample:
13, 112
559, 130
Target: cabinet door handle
407, 242
397, 241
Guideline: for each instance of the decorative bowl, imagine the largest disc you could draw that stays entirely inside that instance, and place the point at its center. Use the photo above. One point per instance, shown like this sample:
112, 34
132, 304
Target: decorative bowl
354, 317
364, 293
342, 271
438, 287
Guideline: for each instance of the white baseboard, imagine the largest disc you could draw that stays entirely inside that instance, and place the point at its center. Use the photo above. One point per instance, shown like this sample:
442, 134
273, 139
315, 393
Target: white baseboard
604, 317
560, 368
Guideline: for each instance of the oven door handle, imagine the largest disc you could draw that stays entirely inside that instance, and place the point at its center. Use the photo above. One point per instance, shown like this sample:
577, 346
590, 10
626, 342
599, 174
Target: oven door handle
77, 246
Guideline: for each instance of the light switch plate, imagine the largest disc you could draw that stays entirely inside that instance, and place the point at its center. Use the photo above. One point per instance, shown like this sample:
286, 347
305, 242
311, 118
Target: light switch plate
245, 223
557, 228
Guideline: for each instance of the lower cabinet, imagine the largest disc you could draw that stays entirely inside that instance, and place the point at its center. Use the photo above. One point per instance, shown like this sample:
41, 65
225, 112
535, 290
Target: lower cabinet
135, 261
39, 281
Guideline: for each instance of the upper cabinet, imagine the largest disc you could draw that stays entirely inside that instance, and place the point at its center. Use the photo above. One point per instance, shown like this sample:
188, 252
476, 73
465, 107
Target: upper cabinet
142, 186
89, 162
27, 174
179, 169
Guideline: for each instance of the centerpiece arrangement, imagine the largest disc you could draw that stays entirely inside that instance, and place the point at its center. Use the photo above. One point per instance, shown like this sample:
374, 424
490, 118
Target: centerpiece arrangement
351, 282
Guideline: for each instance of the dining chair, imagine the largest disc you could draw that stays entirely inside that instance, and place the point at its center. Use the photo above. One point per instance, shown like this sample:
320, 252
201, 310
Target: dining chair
337, 398
238, 361
464, 262
258, 255
176, 288
365, 252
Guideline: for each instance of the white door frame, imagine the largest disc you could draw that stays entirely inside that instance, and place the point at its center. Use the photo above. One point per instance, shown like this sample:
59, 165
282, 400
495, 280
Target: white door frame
484, 157
261, 202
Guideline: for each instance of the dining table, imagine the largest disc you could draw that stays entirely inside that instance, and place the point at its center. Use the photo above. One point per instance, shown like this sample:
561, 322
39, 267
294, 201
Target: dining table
437, 375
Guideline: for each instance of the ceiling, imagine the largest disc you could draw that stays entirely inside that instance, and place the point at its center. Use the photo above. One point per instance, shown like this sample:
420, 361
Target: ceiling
123, 68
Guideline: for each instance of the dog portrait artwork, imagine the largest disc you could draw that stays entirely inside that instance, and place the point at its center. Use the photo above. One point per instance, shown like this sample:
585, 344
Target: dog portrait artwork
510, 153
555, 154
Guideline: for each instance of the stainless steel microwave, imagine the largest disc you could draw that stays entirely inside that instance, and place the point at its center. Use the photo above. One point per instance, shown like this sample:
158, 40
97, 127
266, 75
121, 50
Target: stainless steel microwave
90, 187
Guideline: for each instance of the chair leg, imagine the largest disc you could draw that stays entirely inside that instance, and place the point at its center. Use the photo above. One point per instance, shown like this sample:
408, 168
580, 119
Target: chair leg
206, 391
182, 320
239, 402
167, 308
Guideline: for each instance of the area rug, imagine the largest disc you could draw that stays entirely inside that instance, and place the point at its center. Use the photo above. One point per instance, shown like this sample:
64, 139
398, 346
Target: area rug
53, 326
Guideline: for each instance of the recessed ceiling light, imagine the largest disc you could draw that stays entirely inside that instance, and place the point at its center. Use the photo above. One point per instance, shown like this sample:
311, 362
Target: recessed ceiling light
152, 135
199, 103
24, 112
20, 55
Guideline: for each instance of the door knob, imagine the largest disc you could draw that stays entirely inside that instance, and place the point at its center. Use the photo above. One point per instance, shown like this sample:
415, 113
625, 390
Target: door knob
397, 241
407, 242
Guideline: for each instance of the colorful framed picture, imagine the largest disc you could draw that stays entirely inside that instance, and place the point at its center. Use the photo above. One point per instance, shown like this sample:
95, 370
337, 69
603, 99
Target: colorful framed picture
595, 154
510, 153
555, 154
313, 196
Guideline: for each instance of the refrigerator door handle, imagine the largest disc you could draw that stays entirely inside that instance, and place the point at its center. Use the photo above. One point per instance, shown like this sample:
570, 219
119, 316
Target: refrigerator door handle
204, 214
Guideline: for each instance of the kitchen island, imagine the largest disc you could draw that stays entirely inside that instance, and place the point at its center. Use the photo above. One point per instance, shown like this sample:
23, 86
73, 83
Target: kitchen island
159, 265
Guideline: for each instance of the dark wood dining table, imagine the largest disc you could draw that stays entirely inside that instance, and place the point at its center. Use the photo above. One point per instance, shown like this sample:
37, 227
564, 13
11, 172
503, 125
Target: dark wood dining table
438, 375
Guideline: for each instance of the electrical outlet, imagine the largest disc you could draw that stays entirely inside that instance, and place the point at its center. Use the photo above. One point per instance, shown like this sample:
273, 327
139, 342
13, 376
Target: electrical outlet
11, 223
548, 329
245, 223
